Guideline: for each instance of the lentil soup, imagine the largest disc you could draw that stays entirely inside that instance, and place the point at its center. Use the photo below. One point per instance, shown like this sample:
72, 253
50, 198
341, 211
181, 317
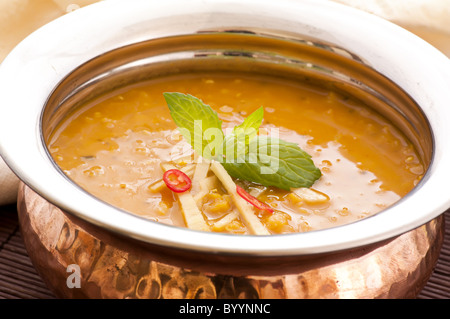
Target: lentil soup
115, 147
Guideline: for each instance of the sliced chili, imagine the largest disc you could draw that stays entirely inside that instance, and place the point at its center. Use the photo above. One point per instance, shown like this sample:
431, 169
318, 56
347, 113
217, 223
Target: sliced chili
253, 200
177, 181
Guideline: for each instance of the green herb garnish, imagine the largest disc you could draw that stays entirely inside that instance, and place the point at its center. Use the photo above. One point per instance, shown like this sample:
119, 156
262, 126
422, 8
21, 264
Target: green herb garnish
266, 160
195, 120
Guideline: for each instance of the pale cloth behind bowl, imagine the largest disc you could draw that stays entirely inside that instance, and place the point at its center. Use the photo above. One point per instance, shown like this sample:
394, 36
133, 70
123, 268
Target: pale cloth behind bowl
8, 184
429, 19
18, 18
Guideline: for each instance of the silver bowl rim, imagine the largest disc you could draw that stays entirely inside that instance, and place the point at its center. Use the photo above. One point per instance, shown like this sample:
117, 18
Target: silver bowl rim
45, 57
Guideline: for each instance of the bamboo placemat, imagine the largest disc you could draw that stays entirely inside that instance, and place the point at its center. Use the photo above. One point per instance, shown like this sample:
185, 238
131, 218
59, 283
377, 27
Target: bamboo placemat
19, 280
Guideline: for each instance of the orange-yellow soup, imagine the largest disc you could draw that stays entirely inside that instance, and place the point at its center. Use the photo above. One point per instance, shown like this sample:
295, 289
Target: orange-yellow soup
113, 148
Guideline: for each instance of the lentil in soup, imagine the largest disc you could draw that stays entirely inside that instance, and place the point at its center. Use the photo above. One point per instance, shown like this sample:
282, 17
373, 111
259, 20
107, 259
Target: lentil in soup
114, 148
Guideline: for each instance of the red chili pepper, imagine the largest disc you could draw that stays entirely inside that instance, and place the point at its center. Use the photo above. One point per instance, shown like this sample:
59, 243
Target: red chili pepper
177, 181
253, 200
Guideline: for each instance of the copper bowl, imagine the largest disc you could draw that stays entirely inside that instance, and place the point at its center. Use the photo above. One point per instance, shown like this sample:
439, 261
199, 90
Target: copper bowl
119, 255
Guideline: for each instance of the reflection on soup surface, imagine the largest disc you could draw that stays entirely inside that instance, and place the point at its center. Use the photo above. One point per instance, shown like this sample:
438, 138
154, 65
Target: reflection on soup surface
117, 148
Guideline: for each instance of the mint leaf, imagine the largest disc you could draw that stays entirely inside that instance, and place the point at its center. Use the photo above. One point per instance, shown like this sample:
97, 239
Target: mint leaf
266, 160
238, 140
197, 122
273, 162
250, 125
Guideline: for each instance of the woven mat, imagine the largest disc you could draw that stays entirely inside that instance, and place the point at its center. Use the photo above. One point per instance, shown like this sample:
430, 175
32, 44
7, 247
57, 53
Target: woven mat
19, 280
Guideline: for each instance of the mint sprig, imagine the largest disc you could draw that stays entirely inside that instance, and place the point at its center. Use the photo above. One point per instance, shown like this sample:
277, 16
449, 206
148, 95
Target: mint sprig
250, 125
271, 161
265, 160
196, 121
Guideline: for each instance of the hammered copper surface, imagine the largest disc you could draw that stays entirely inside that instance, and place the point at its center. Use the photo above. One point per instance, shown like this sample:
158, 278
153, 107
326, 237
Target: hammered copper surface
114, 267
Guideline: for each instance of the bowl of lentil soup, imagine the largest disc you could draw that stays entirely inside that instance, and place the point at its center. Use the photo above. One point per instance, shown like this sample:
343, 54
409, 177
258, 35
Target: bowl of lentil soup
359, 145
